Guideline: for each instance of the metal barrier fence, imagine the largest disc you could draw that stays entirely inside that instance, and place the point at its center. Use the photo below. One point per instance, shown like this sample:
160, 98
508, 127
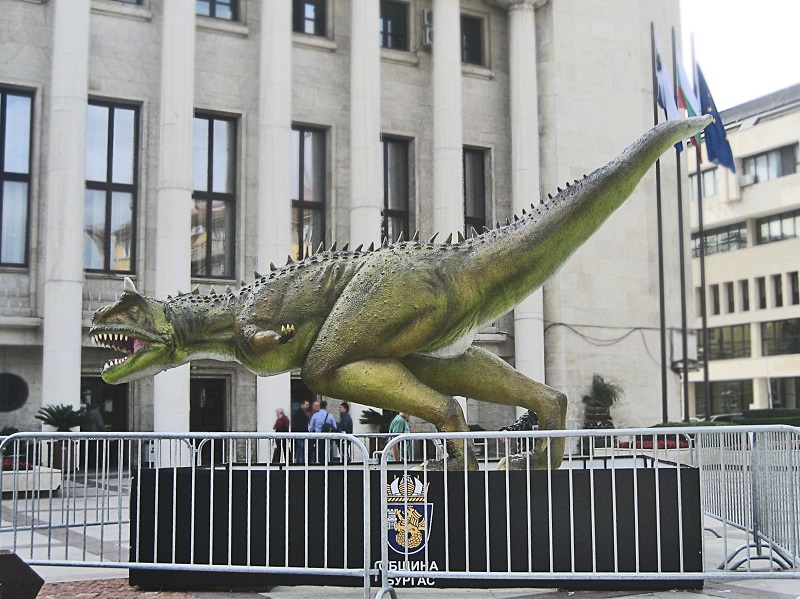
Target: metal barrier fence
636, 504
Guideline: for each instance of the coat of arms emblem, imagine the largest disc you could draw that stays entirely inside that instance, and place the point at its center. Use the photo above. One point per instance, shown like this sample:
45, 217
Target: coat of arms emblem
408, 515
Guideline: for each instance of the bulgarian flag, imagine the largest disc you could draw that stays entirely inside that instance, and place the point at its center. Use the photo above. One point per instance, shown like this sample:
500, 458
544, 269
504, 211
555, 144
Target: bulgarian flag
688, 101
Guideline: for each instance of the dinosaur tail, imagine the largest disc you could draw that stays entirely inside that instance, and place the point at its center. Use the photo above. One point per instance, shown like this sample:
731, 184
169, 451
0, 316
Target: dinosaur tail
522, 256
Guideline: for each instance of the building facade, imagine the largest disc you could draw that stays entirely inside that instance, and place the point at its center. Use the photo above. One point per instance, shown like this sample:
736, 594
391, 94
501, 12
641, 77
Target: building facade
194, 142
751, 224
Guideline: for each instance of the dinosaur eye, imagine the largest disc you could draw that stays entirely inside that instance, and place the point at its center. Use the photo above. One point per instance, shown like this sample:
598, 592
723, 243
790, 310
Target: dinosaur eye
133, 310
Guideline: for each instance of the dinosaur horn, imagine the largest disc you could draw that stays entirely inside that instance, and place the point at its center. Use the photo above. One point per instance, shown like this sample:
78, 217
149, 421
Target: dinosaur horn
128, 286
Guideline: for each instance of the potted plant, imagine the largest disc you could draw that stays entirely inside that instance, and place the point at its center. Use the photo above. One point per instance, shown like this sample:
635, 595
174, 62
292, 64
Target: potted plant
63, 418
597, 407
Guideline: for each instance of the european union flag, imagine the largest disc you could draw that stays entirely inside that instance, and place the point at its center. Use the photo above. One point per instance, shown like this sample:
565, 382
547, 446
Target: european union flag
717, 146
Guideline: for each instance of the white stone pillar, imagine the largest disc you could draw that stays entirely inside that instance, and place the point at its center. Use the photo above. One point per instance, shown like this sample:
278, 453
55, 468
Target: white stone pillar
366, 191
366, 159
274, 198
528, 315
63, 239
448, 178
174, 195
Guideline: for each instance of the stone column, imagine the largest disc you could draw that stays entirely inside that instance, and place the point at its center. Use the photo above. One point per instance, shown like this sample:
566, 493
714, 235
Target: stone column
174, 195
366, 162
524, 99
63, 280
366, 192
448, 177
274, 167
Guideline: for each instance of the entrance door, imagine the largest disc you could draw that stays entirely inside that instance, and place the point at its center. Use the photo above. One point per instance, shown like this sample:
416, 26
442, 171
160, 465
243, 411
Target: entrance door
113, 403
207, 413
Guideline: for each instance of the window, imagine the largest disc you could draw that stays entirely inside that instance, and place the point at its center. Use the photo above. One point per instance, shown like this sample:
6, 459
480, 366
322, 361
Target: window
761, 282
785, 392
708, 183
778, 227
308, 16
744, 288
308, 190
777, 287
772, 164
723, 239
471, 40
727, 397
715, 299
109, 217
13, 392
214, 212
726, 343
394, 25
730, 298
395, 188
227, 10
16, 118
795, 288
780, 337
474, 190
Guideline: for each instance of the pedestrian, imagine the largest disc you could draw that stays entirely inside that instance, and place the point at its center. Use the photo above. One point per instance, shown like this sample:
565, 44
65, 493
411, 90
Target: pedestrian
400, 426
281, 426
299, 424
321, 422
345, 425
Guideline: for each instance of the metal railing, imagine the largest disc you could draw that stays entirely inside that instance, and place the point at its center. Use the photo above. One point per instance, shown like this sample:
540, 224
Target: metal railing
634, 504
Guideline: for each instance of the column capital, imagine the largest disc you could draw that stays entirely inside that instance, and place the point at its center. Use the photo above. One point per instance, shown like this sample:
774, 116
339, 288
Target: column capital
510, 5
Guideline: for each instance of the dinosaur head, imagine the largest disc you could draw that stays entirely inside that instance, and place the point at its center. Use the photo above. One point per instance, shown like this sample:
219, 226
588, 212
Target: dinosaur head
138, 327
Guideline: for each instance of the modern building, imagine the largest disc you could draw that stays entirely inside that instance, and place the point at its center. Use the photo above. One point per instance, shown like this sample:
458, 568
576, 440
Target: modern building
192, 142
751, 225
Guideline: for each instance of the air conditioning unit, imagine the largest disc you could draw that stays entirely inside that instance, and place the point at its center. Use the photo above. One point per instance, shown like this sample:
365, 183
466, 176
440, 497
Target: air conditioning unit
745, 180
427, 28
427, 36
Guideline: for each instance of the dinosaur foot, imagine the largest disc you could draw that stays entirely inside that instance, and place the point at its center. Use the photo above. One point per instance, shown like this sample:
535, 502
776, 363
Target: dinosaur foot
536, 459
449, 464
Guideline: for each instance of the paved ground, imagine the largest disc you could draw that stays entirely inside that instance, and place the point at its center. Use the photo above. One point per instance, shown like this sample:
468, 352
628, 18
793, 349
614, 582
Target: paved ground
119, 589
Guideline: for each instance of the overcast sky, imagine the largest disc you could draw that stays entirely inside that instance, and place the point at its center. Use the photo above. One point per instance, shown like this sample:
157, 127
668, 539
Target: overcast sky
746, 48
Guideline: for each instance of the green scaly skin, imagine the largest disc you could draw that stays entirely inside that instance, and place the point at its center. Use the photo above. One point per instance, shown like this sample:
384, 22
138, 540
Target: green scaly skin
391, 327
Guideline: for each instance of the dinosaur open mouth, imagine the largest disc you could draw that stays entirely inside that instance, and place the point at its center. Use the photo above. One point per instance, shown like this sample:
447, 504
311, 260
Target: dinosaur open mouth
121, 342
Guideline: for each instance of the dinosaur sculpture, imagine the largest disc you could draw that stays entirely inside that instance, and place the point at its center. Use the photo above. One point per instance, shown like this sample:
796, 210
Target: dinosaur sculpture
391, 327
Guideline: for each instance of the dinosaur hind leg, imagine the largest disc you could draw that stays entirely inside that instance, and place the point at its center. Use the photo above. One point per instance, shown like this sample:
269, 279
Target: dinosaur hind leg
482, 375
387, 383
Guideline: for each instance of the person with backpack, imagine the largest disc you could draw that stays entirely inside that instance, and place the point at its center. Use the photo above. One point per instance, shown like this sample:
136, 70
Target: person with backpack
321, 422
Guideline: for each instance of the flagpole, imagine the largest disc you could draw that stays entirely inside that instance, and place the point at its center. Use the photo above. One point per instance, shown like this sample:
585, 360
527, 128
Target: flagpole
682, 258
661, 305
702, 250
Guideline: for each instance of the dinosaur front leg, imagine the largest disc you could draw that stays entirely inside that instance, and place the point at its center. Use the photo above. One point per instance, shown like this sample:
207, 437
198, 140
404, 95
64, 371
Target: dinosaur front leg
386, 383
482, 375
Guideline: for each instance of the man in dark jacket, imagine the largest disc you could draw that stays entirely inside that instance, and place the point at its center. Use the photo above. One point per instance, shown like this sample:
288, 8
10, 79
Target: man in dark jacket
300, 425
345, 425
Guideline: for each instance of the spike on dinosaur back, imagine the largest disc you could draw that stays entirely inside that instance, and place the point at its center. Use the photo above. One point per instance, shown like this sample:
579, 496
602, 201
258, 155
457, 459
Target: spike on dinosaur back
196, 289
385, 242
321, 247
416, 236
333, 246
371, 247
128, 286
400, 238
434, 237
358, 249
460, 237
